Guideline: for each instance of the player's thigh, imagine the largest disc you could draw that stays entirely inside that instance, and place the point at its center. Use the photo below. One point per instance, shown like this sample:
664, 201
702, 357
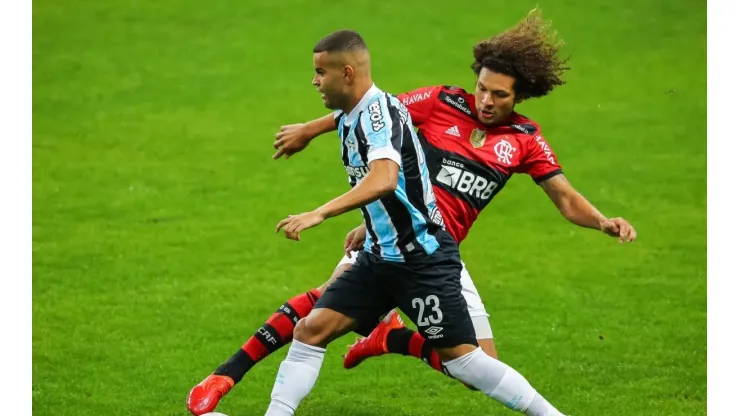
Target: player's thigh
357, 293
432, 297
478, 314
344, 264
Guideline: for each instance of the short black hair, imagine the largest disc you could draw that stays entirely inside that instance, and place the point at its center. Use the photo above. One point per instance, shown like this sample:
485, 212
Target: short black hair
344, 40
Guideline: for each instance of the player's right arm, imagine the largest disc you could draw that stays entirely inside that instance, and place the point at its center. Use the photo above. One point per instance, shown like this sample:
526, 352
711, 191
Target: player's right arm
293, 138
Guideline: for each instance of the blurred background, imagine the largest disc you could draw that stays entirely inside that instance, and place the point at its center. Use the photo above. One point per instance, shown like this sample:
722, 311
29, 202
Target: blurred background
155, 199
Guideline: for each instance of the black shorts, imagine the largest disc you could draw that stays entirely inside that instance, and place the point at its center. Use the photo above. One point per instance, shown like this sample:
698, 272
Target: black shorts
427, 290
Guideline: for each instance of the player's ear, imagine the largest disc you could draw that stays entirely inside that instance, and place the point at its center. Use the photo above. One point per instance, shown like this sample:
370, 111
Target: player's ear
349, 73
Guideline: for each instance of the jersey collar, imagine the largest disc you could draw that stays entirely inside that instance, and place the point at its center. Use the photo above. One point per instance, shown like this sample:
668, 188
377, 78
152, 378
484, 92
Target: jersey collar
364, 102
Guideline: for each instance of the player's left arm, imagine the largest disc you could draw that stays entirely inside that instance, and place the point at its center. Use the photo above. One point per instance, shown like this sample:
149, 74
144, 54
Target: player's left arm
380, 181
578, 210
542, 165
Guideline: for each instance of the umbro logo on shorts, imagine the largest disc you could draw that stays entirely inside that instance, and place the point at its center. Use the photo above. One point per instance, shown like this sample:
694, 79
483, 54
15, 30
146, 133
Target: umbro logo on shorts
434, 332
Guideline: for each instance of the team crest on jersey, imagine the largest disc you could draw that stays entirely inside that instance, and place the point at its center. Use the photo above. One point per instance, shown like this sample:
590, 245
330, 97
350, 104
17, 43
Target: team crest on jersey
504, 150
351, 143
478, 138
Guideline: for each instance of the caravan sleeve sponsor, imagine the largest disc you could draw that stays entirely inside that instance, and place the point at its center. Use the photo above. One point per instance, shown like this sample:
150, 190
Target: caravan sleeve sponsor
539, 161
419, 103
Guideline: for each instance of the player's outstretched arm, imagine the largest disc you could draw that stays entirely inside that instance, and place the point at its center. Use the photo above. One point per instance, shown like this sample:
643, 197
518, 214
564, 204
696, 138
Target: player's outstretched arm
293, 138
380, 181
576, 208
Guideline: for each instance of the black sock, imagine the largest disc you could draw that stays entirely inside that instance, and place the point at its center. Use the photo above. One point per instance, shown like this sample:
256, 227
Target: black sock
398, 341
236, 366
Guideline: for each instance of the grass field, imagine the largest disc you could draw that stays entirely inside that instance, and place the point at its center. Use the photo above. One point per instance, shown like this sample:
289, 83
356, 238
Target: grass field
155, 199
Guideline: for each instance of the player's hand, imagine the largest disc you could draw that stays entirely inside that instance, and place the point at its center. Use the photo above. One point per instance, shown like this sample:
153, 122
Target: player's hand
290, 140
355, 239
294, 224
619, 227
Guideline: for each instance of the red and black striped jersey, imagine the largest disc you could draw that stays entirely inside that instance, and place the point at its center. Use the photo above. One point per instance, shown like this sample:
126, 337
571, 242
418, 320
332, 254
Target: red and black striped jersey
469, 162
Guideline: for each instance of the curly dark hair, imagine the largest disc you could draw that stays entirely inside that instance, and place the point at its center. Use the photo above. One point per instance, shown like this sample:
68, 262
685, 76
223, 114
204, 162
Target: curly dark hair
528, 52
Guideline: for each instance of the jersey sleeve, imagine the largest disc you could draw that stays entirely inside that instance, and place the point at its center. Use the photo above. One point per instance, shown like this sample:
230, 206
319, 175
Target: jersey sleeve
382, 126
420, 103
539, 162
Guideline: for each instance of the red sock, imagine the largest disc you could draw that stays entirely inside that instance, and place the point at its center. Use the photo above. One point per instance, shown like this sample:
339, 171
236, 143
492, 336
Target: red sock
408, 342
270, 337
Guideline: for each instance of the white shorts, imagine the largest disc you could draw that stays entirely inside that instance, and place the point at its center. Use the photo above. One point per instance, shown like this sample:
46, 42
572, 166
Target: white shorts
477, 311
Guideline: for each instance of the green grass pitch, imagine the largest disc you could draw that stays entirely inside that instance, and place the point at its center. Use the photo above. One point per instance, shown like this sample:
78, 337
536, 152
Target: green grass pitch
155, 200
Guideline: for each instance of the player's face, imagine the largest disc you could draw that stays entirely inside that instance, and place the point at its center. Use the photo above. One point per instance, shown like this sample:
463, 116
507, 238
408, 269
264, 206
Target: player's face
328, 79
494, 96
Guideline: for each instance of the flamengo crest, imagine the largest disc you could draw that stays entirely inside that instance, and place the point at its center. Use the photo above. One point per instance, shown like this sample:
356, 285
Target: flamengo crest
504, 150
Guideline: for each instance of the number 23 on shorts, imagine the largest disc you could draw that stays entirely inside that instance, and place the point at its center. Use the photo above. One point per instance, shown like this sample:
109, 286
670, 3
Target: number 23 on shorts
433, 314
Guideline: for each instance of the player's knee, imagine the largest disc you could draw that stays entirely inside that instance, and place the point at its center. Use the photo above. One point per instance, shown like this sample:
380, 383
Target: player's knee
318, 328
300, 332
309, 333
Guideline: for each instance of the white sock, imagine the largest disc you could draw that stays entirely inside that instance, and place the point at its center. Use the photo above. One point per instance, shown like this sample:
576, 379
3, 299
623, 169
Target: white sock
500, 382
295, 378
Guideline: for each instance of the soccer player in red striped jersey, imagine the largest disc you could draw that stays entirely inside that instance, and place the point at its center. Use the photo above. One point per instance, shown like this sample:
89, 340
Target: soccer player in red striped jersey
474, 143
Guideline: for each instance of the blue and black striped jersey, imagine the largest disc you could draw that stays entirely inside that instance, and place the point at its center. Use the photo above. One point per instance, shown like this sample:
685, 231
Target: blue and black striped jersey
405, 223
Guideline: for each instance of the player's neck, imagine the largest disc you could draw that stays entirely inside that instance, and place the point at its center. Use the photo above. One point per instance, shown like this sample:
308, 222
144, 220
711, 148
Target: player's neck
356, 96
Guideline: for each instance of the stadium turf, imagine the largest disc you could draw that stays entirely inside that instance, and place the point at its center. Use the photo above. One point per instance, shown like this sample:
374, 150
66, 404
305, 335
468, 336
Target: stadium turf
155, 200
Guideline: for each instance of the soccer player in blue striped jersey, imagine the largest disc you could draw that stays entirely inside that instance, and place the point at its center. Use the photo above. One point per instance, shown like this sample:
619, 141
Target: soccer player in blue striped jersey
409, 261
379, 144
405, 222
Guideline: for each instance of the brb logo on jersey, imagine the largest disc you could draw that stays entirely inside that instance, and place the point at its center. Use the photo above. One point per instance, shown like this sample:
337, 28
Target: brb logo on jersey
376, 116
454, 175
504, 151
